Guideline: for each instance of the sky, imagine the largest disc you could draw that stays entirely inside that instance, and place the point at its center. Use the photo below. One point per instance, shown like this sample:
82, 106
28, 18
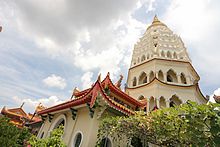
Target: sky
49, 47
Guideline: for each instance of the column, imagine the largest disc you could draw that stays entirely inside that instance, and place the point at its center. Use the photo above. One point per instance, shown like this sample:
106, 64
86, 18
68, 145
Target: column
148, 107
167, 103
179, 78
157, 74
157, 103
165, 77
148, 78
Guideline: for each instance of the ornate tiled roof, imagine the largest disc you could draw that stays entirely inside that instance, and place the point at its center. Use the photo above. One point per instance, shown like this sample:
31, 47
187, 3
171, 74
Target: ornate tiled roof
90, 96
19, 117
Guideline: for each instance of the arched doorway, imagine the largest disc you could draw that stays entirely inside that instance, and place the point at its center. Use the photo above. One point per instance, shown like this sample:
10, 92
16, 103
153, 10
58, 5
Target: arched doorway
151, 103
171, 76
142, 78
160, 76
162, 102
174, 100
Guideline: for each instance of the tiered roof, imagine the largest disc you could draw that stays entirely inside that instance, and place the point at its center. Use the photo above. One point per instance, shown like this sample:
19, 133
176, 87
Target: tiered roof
19, 117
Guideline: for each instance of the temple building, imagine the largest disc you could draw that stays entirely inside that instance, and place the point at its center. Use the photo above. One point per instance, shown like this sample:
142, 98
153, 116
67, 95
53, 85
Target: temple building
20, 118
161, 75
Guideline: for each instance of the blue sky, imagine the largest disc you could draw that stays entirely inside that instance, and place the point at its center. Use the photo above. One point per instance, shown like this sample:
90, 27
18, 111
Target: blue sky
49, 47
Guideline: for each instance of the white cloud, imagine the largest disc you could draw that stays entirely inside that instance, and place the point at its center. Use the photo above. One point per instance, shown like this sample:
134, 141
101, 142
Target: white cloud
87, 80
216, 92
96, 39
98, 36
31, 104
197, 22
114, 48
55, 81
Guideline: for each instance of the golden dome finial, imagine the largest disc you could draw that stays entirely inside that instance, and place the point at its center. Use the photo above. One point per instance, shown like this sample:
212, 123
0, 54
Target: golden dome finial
156, 21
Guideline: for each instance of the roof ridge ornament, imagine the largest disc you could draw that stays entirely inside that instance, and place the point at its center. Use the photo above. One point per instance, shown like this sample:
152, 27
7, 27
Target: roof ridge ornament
99, 77
22, 105
118, 83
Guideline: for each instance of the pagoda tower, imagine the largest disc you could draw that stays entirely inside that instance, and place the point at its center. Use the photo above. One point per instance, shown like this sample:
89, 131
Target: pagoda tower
161, 70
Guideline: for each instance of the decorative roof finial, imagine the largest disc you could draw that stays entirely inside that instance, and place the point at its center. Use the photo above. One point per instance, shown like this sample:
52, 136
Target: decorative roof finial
118, 83
75, 91
99, 77
22, 105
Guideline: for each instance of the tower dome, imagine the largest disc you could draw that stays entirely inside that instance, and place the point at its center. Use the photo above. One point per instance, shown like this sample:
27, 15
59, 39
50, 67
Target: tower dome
159, 42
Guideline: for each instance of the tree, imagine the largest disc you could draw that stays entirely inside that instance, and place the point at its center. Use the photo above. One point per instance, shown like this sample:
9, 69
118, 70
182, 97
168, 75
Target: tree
189, 124
10, 135
54, 140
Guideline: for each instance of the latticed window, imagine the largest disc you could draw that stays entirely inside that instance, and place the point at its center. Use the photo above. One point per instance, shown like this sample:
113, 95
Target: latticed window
78, 140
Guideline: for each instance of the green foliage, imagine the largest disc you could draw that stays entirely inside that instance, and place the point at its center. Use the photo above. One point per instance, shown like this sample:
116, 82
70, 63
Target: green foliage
54, 140
10, 135
189, 124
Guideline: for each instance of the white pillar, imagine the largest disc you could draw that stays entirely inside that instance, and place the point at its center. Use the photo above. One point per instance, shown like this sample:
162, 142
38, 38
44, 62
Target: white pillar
148, 78
157, 103
165, 77
179, 78
167, 103
148, 105
157, 74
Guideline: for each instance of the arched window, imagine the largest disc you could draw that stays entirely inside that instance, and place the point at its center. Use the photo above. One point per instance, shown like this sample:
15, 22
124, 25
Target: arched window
142, 78
42, 135
162, 102
141, 97
138, 59
60, 120
183, 78
160, 75
174, 100
143, 58
169, 54
151, 103
174, 55
171, 76
134, 83
148, 56
106, 142
151, 76
77, 140
162, 54
136, 142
